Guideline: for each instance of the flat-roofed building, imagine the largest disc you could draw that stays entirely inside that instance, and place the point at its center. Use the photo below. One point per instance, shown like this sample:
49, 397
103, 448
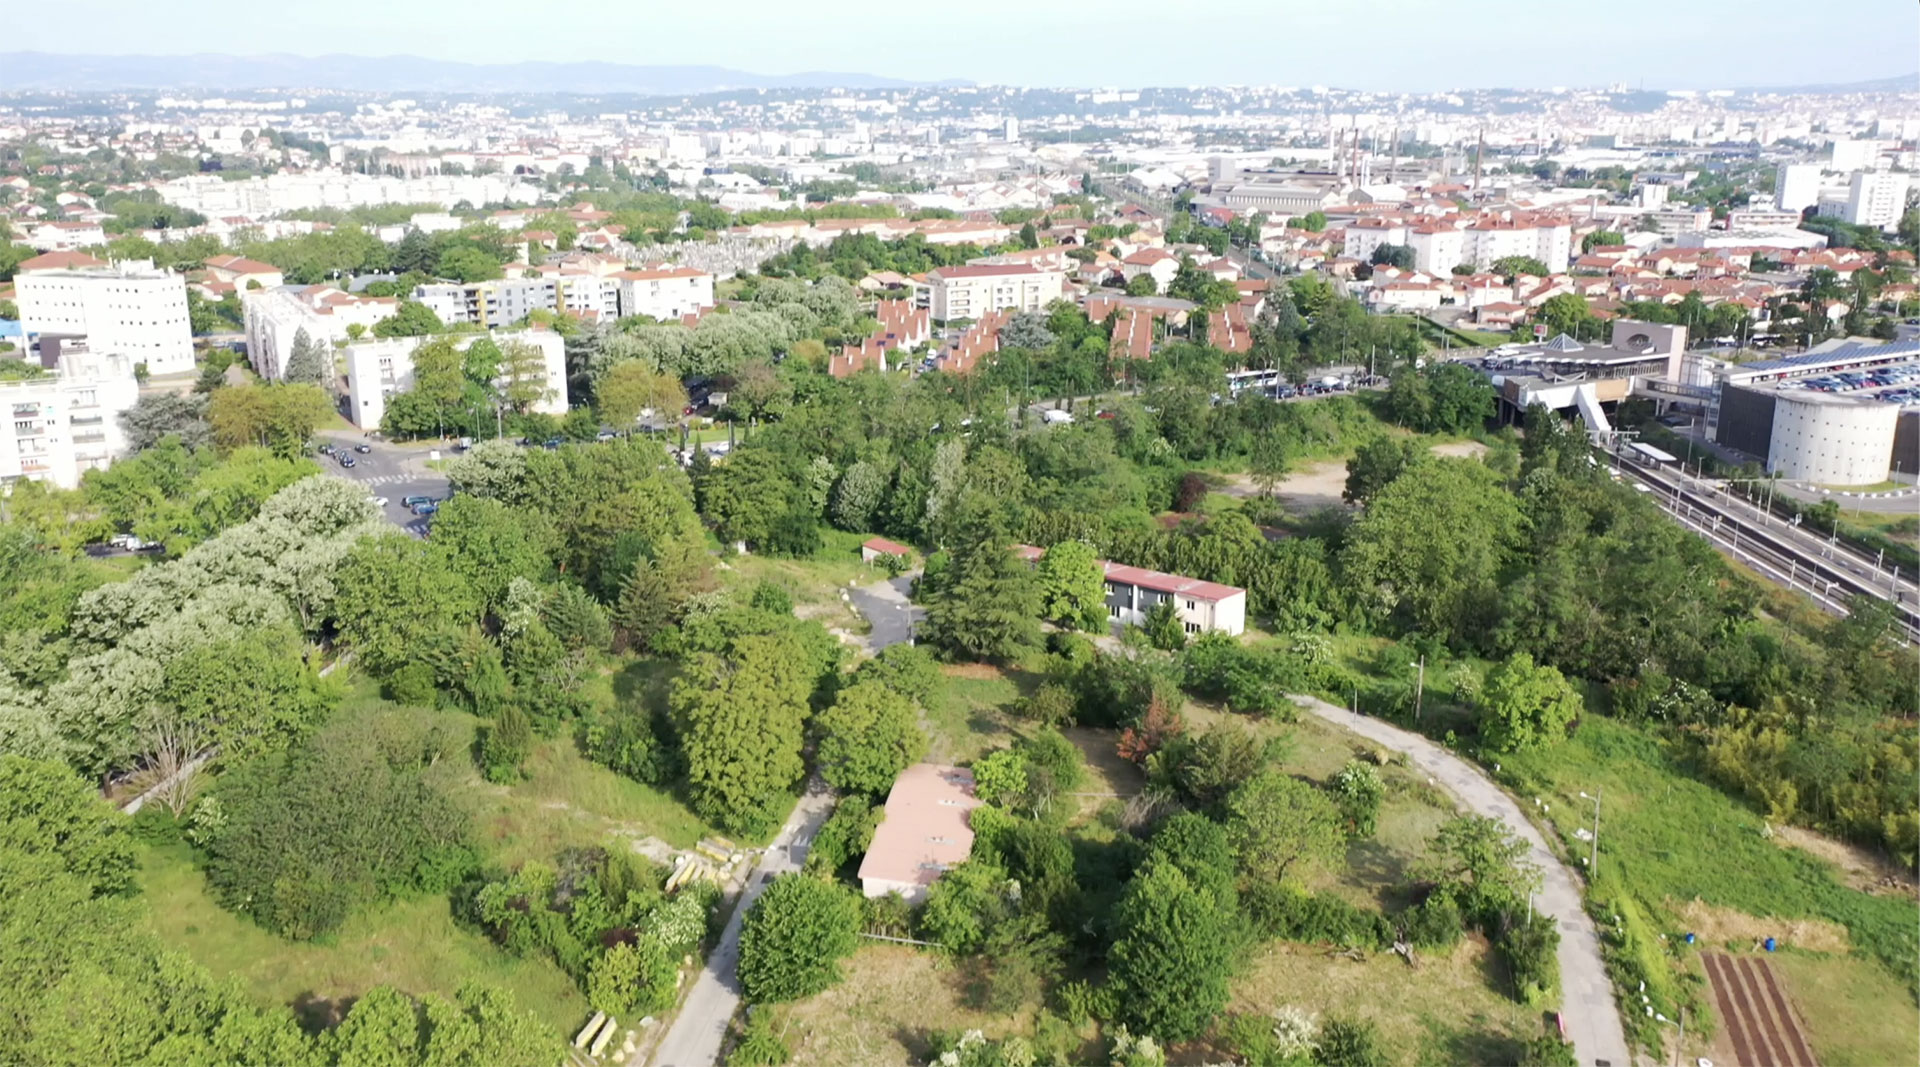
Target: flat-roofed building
971, 291
926, 832
129, 308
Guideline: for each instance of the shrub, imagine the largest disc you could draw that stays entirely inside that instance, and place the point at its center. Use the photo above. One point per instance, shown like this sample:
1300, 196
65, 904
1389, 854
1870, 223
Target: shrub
793, 939
1435, 923
1350, 1043
759, 1046
1530, 945
1288, 912
1357, 789
845, 835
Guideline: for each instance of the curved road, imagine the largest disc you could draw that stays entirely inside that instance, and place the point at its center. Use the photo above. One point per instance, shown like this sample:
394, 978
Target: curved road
1592, 1018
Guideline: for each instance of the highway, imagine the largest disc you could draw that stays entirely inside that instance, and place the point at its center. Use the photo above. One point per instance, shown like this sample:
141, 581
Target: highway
1820, 567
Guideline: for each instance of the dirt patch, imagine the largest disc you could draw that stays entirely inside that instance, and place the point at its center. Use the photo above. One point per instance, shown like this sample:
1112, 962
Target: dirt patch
1462, 449
1305, 491
1859, 868
1107, 772
1724, 926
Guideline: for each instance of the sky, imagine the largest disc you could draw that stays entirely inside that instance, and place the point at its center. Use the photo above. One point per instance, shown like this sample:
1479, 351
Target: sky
1388, 45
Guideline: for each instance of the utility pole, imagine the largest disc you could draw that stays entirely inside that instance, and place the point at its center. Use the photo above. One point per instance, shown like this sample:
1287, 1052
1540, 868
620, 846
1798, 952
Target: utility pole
1593, 855
1420, 688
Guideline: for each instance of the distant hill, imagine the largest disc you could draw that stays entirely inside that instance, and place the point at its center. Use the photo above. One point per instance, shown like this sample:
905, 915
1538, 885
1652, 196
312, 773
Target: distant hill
208, 72
1902, 83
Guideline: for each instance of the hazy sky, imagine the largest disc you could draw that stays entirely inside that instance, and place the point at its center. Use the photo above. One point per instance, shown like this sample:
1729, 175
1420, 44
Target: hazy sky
1365, 44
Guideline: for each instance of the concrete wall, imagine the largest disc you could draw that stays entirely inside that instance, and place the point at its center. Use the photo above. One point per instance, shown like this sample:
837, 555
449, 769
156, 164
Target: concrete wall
1831, 440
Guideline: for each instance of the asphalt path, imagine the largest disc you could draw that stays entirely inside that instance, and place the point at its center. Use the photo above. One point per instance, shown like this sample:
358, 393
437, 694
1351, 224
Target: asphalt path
885, 606
700, 1029
391, 471
1588, 1010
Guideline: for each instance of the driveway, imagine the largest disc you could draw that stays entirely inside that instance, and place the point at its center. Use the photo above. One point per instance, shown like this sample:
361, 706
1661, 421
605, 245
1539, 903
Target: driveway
698, 1031
1592, 1019
392, 471
886, 607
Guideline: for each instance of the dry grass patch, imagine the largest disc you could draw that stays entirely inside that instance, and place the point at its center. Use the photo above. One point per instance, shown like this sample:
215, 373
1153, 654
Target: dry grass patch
892, 998
1859, 868
1725, 926
1451, 1009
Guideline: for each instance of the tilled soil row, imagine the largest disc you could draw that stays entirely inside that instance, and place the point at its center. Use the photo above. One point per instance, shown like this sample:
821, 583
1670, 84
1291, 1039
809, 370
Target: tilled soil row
1759, 1021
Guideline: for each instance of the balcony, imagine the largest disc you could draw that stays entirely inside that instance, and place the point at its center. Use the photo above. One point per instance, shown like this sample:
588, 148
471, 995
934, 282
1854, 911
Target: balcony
92, 438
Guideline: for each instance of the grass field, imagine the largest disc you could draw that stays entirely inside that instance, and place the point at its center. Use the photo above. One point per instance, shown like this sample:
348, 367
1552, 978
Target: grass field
1667, 839
413, 945
1452, 1008
1853, 1016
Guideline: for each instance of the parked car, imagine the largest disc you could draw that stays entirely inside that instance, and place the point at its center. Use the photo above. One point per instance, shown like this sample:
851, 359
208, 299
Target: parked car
379, 501
346, 460
427, 508
363, 449
605, 435
554, 442
415, 501
327, 450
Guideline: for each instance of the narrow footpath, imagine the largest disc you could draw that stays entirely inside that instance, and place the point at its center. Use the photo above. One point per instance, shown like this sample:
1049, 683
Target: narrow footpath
1587, 1004
697, 1033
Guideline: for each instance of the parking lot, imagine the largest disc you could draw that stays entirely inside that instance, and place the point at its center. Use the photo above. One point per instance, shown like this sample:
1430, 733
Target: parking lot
1897, 384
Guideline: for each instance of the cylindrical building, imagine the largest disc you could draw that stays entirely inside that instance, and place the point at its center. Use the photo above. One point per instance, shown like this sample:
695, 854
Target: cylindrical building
1831, 440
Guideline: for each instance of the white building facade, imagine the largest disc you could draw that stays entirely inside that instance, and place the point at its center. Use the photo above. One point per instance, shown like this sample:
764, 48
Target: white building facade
666, 293
274, 317
1876, 198
129, 308
1796, 187
380, 369
1832, 440
65, 425
972, 291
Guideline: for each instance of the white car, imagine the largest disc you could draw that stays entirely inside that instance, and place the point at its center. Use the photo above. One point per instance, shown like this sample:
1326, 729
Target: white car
379, 501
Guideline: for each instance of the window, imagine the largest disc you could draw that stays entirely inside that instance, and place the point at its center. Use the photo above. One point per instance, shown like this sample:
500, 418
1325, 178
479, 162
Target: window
1189, 605
1193, 627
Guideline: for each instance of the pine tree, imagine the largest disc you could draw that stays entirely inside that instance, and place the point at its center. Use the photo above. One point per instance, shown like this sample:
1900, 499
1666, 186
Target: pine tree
307, 362
986, 605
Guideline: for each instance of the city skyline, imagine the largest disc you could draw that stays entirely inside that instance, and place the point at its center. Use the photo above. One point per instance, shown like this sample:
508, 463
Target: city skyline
1757, 44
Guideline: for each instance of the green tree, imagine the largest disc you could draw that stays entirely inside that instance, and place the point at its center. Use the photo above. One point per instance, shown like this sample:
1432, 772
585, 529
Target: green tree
633, 976
410, 319
1281, 825
1376, 464
392, 593
1142, 284
1513, 265
46, 808
794, 937
491, 544
468, 264
632, 388
1524, 705
856, 496
1602, 238
1390, 255
1433, 547
309, 361
985, 605
1481, 860
1169, 959
747, 495
741, 720
1350, 1043
279, 417
1567, 313
867, 737
1072, 587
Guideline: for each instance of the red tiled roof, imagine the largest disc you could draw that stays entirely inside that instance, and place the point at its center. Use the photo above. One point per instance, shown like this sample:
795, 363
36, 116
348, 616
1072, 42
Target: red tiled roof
58, 261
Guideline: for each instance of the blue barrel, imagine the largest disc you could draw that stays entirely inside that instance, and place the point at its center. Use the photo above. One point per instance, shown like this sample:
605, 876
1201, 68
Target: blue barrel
1770, 944
1689, 939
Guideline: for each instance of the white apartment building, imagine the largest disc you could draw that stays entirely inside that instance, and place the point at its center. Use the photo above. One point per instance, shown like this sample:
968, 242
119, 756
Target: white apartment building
971, 291
666, 293
65, 425
1796, 186
65, 236
1362, 236
1490, 240
1760, 219
275, 317
379, 369
1675, 221
275, 194
1876, 198
1437, 248
1850, 154
128, 308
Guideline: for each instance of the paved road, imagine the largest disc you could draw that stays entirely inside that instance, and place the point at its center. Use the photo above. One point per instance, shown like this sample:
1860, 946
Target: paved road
392, 471
1903, 502
696, 1035
886, 607
1592, 1018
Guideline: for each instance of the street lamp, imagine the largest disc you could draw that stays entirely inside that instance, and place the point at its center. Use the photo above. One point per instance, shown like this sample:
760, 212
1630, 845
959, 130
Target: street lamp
1682, 1039
1593, 859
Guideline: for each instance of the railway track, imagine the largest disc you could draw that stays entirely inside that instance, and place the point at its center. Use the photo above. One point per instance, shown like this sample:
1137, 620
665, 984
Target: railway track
1827, 572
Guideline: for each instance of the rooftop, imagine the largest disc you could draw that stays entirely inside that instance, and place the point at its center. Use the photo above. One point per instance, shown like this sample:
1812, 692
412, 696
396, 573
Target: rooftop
926, 829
